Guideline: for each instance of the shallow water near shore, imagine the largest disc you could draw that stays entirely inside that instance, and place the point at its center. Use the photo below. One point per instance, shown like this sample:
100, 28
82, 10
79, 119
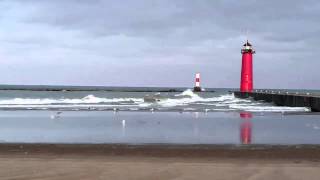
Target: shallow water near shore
151, 117
127, 127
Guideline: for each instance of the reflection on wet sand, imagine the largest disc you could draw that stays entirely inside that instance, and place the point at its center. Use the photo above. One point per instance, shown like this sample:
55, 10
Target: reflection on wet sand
123, 127
159, 128
246, 127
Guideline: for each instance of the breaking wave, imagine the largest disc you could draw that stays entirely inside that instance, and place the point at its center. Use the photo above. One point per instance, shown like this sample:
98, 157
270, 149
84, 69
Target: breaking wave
90, 99
188, 97
185, 101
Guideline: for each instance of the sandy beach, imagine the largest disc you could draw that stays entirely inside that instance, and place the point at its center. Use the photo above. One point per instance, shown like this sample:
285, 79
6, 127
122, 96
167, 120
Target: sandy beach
75, 168
40, 161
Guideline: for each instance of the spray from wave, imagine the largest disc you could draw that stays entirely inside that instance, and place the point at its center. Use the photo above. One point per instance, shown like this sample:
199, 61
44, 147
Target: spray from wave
189, 97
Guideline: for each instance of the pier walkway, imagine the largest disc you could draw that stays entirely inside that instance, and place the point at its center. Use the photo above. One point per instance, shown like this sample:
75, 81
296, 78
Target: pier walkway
281, 98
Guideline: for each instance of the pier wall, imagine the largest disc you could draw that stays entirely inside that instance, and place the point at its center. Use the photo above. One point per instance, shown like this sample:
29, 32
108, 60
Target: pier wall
284, 99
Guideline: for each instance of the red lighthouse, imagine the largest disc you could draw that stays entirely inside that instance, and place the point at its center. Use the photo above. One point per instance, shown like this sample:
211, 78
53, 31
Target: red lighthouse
246, 72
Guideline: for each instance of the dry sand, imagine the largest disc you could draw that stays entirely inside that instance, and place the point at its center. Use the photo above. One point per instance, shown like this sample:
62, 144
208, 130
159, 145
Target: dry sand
157, 162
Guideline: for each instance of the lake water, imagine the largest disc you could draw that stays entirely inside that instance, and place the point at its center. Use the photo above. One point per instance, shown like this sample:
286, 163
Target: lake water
122, 116
159, 127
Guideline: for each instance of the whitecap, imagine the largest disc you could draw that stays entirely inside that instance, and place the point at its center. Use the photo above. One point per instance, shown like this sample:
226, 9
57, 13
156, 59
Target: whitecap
90, 99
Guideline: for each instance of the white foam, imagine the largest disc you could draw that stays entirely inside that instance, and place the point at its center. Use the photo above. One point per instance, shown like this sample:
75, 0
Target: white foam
228, 100
252, 108
90, 99
48, 106
196, 98
189, 97
186, 99
188, 92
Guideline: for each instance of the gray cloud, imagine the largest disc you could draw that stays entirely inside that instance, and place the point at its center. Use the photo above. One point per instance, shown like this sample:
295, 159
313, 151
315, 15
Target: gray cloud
159, 42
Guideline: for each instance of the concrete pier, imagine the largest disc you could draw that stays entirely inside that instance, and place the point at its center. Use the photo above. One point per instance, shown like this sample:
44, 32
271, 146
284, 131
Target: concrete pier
284, 98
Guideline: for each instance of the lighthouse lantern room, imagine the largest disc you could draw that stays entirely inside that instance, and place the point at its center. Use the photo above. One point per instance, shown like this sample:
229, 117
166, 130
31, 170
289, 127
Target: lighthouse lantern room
247, 68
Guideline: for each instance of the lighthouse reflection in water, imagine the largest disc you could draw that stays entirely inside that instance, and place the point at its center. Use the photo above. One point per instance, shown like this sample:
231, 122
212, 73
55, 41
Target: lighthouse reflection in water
246, 128
160, 128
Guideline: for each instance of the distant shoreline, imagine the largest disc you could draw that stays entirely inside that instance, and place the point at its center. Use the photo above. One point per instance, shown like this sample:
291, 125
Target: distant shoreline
5, 87
94, 88
70, 90
108, 90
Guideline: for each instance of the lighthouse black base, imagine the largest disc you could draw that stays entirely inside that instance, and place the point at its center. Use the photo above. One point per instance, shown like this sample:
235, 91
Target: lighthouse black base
197, 89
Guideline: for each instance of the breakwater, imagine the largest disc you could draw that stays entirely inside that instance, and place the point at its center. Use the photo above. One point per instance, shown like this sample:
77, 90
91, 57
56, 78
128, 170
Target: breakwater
95, 88
284, 98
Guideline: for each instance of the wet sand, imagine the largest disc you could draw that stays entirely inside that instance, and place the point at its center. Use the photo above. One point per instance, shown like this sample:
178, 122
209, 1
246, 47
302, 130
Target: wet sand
44, 161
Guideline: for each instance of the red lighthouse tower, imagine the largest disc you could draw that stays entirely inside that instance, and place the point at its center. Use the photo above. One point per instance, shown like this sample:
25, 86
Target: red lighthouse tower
246, 72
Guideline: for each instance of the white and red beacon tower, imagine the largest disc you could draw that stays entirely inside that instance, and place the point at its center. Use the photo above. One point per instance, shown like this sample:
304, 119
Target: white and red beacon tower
197, 87
247, 68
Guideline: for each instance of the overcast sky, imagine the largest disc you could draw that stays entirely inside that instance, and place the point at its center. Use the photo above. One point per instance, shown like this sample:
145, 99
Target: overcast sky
159, 42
